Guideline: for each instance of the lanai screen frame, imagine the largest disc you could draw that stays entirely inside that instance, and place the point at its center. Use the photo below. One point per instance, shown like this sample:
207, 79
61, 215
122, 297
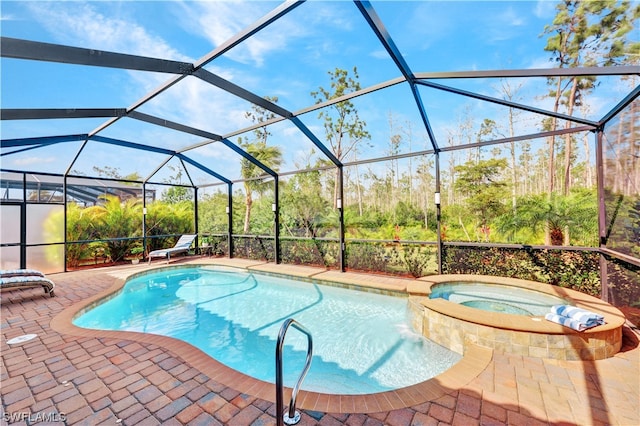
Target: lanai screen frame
38, 51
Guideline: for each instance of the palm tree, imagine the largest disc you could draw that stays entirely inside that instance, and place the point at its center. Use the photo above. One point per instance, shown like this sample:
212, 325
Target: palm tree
165, 218
558, 214
270, 156
119, 219
81, 225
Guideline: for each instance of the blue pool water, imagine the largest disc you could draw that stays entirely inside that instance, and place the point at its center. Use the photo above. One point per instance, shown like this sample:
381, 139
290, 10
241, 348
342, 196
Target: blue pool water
497, 298
362, 341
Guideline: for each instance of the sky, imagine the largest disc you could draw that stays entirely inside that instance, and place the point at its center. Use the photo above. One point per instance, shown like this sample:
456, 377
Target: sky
289, 59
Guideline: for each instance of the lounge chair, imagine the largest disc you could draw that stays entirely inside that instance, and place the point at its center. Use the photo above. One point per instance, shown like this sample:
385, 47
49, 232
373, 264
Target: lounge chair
25, 278
182, 246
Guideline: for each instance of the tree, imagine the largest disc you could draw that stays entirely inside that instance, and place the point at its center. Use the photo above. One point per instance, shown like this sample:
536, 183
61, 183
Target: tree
584, 33
560, 215
481, 183
510, 93
395, 140
632, 228
270, 156
114, 172
425, 186
177, 194
344, 130
408, 132
488, 130
119, 220
303, 204
165, 218
211, 212
81, 225
622, 155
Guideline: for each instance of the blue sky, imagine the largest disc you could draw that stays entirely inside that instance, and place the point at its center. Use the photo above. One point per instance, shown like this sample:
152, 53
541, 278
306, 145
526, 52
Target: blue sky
289, 59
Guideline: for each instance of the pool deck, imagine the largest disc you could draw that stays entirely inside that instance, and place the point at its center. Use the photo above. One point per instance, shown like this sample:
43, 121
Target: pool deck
97, 378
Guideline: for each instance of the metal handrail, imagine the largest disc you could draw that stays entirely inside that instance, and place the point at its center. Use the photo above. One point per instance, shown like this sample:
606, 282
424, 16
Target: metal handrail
292, 416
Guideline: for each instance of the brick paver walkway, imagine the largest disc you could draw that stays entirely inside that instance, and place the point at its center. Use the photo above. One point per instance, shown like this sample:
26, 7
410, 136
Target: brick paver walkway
96, 381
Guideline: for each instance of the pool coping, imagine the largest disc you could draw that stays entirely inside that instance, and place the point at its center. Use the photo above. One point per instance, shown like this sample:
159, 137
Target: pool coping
473, 362
455, 326
421, 288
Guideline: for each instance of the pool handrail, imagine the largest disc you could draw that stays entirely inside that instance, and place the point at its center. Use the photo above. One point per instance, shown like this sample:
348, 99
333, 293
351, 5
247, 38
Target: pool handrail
291, 417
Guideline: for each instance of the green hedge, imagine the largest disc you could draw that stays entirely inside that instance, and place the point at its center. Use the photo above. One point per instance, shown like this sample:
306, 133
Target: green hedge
578, 270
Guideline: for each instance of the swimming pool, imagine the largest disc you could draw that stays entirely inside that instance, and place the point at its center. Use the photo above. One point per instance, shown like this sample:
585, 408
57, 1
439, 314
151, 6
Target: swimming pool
497, 298
362, 341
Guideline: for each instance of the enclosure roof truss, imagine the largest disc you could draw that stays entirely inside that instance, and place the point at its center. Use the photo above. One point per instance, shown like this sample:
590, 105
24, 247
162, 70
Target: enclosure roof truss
179, 70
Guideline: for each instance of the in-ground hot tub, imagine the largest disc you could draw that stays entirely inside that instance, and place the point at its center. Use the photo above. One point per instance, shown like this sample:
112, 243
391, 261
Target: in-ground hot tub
455, 325
497, 298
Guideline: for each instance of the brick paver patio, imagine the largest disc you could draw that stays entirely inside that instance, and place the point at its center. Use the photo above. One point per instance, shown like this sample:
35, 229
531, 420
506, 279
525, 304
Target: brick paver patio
64, 378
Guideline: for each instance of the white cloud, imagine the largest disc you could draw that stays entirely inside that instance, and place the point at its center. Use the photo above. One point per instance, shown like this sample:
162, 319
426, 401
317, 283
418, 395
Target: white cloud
219, 21
7, 17
379, 54
27, 161
541, 62
511, 17
291, 132
81, 24
545, 9
501, 27
200, 105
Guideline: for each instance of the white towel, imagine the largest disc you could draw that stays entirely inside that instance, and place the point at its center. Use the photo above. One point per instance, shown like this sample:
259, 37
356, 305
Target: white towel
590, 319
567, 322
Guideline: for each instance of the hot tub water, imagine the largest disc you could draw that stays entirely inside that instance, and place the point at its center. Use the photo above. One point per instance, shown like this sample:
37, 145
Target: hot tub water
497, 298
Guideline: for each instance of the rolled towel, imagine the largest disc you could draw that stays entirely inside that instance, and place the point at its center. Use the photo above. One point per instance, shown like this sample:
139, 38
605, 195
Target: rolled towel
591, 319
567, 322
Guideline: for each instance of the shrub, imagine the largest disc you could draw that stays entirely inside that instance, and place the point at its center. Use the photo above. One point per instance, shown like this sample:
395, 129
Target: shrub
367, 257
81, 225
415, 260
570, 269
303, 252
624, 283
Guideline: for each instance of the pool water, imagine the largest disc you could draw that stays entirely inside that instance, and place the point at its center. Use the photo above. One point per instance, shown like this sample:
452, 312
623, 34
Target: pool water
362, 341
497, 298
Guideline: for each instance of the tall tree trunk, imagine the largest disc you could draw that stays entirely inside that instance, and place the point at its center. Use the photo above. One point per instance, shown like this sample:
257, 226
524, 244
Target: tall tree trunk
509, 94
514, 174
359, 191
552, 147
551, 172
335, 189
452, 165
464, 229
618, 175
247, 212
568, 152
588, 171
552, 140
409, 134
526, 186
336, 185
426, 210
